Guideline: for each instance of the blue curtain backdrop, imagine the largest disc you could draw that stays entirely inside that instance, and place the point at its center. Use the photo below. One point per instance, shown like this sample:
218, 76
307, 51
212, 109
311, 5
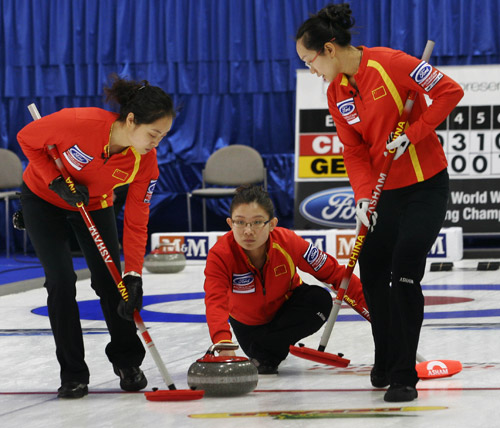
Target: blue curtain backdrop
229, 65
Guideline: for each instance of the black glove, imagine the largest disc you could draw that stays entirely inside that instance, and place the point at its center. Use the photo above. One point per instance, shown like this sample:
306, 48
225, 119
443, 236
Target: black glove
18, 220
133, 284
81, 194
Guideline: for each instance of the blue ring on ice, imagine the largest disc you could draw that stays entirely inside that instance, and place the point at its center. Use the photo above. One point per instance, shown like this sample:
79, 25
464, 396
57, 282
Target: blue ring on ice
91, 309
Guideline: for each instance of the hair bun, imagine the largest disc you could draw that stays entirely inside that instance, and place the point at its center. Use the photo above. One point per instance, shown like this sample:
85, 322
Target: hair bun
340, 15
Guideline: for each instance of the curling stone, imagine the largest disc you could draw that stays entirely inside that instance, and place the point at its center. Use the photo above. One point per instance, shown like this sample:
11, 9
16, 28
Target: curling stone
223, 376
165, 260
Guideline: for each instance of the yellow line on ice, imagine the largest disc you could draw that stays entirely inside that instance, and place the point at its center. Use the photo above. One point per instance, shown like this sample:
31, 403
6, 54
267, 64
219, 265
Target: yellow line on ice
305, 412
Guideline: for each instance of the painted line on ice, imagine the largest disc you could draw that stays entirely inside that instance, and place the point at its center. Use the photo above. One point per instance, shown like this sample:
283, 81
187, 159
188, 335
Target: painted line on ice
45, 331
259, 391
374, 389
91, 310
323, 414
118, 391
263, 391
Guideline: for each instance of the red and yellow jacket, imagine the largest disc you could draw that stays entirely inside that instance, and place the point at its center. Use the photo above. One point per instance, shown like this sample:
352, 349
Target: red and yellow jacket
365, 117
81, 136
234, 287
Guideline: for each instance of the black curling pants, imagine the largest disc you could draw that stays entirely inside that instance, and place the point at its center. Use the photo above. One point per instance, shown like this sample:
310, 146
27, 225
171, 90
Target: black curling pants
301, 315
49, 230
392, 264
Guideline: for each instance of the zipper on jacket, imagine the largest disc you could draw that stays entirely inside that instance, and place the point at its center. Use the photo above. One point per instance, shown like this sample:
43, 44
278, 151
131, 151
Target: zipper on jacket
261, 274
355, 94
106, 158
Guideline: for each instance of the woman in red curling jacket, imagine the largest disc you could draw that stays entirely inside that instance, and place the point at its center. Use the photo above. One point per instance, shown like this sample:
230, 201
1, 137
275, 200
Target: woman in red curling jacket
251, 278
101, 150
366, 96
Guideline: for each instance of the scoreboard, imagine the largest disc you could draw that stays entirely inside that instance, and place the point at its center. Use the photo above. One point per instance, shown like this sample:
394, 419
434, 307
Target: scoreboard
471, 133
470, 137
320, 150
471, 140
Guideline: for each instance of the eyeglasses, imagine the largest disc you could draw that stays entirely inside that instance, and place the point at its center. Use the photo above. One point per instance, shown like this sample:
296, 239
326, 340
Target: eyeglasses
256, 224
309, 64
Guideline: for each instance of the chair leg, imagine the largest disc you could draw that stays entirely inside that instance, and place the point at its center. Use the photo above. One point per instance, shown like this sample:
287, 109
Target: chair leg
7, 230
204, 215
190, 224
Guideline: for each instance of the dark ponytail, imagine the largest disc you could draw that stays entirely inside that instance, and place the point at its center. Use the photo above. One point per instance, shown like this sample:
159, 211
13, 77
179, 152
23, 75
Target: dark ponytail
148, 103
332, 22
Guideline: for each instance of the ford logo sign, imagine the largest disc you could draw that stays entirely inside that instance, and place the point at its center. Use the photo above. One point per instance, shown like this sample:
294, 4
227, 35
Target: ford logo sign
243, 279
312, 254
423, 73
78, 155
152, 185
331, 208
347, 109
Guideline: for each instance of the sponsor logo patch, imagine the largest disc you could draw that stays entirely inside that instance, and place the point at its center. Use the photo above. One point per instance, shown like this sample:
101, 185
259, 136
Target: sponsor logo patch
347, 109
77, 158
426, 76
315, 257
243, 283
149, 193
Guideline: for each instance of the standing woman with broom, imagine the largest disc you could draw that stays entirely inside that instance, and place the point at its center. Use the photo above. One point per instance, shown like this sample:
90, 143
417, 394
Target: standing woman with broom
368, 87
101, 150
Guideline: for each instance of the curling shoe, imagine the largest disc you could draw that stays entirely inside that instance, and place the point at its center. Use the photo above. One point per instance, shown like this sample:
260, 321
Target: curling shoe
379, 379
397, 393
131, 378
72, 390
264, 367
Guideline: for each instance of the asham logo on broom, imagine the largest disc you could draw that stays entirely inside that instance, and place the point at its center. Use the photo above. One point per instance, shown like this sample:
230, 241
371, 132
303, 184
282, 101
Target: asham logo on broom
437, 367
100, 244
332, 208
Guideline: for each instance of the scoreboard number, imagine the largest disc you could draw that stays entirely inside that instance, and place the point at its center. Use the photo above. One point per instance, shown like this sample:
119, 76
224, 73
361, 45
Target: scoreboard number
470, 137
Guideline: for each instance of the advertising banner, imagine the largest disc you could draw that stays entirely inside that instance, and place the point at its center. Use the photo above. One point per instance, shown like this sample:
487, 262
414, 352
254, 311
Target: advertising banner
337, 242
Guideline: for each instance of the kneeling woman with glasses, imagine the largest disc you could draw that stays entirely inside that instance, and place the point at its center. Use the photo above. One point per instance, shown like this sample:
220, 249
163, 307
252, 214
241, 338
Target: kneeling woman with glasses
251, 279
